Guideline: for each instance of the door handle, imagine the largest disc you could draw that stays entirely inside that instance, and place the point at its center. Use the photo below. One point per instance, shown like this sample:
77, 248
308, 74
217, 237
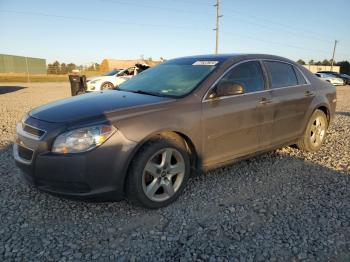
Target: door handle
308, 93
265, 101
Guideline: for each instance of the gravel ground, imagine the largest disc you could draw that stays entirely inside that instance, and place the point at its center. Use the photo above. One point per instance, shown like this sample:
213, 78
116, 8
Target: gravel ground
282, 206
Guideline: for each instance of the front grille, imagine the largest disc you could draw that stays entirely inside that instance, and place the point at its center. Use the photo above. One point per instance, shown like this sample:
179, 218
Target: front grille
32, 130
25, 153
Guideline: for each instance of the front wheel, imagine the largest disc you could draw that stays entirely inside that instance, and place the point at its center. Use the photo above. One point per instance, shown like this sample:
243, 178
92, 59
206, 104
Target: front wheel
158, 173
107, 86
315, 132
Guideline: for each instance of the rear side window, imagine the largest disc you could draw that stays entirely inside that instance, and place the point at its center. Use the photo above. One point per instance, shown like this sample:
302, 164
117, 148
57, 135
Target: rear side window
248, 74
300, 77
281, 74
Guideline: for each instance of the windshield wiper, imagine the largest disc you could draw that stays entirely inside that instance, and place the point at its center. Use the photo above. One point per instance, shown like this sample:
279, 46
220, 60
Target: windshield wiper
143, 92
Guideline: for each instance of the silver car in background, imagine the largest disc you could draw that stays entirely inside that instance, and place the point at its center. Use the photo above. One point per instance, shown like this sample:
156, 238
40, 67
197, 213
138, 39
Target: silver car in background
336, 81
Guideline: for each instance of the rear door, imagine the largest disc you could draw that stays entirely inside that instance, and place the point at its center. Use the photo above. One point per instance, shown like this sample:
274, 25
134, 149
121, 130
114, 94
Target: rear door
232, 124
291, 97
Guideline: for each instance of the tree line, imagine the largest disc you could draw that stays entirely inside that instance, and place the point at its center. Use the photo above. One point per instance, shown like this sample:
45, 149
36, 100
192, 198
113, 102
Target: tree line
344, 65
57, 68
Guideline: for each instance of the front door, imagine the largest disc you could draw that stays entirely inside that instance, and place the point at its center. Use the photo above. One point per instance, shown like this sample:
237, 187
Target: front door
232, 124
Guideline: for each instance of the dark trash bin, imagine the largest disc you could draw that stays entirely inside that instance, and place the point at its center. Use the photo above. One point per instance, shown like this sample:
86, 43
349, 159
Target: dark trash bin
77, 84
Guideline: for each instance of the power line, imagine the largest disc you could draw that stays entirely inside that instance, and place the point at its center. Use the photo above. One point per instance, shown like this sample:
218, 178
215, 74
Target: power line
154, 7
100, 20
315, 36
230, 34
109, 21
244, 15
278, 24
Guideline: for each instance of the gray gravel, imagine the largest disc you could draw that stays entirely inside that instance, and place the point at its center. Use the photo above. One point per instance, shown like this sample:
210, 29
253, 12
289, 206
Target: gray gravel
282, 206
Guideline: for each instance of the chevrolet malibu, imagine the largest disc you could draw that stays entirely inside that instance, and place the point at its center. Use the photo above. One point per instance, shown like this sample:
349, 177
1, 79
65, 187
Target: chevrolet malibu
144, 140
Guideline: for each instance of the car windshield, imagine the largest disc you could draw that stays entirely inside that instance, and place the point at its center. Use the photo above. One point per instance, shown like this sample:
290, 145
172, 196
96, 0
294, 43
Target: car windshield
112, 73
173, 79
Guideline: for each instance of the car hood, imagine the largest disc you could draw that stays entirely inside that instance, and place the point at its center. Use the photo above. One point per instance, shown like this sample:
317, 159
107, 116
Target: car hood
92, 105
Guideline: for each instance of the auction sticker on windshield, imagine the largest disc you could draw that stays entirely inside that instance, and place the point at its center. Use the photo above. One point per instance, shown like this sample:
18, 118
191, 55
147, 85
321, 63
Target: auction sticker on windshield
206, 63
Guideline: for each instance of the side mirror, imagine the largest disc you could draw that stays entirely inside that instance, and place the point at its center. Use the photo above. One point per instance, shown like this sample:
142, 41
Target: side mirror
226, 88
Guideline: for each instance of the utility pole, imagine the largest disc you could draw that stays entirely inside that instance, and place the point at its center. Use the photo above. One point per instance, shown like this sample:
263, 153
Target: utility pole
335, 46
218, 16
28, 80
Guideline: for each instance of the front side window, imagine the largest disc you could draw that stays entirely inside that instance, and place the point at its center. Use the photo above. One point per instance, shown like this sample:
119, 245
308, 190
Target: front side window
249, 75
281, 74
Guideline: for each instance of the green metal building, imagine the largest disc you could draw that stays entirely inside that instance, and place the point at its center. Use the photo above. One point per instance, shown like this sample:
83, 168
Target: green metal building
22, 64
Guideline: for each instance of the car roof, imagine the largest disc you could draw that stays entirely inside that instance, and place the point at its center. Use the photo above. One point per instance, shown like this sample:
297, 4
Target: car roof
226, 57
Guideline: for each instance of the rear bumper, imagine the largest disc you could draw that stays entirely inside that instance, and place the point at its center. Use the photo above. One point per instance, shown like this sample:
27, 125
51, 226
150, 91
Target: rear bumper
99, 172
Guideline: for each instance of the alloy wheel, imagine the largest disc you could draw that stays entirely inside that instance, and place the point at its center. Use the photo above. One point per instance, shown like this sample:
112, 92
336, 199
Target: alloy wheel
163, 174
318, 130
107, 86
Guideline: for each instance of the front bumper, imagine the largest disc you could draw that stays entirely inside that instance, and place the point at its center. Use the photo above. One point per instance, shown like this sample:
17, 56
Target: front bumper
99, 172
338, 83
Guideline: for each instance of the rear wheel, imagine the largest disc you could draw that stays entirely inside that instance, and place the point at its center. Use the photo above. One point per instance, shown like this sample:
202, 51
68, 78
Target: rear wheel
158, 173
315, 132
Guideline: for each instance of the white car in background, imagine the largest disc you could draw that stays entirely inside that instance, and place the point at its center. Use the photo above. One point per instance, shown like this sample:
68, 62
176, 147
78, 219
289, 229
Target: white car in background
113, 78
336, 81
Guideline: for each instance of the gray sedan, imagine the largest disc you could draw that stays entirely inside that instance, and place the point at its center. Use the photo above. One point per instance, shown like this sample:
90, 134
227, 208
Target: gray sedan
144, 140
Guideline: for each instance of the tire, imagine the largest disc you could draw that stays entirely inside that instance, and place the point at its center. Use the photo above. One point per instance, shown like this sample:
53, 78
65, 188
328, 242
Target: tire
315, 132
153, 180
107, 86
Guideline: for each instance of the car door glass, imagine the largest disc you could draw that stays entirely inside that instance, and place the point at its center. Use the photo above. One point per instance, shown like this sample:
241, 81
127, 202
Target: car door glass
300, 77
248, 74
281, 74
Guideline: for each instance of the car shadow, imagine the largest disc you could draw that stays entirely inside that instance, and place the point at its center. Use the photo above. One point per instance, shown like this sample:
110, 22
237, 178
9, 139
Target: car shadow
10, 89
343, 113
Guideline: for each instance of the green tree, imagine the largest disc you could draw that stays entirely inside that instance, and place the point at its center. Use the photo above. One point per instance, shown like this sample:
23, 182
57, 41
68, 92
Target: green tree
344, 67
326, 62
63, 69
71, 67
53, 68
318, 63
300, 61
311, 62
94, 67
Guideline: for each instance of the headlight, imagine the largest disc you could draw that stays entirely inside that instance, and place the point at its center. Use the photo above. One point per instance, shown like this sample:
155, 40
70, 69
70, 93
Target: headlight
82, 139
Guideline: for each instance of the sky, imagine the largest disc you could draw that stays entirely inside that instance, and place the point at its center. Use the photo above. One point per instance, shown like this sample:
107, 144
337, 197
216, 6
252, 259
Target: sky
89, 31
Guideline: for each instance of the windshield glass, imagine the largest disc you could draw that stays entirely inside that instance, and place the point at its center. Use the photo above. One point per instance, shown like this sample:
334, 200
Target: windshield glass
112, 73
170, 79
